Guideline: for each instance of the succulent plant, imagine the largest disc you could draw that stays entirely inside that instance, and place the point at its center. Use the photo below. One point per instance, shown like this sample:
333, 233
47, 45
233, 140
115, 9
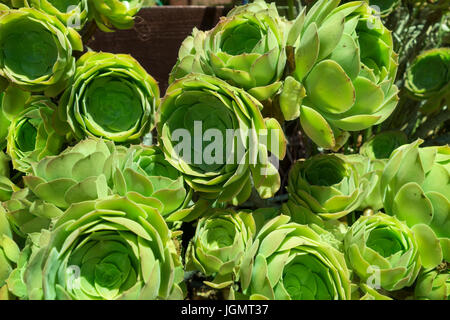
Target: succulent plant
107, 249
111, 96
371, 293
4, 164
246, 48
328, 185
31, 136
221, 239
220, 169
119, 14
78, 174
6, 188
384, 7
108, 192
371, 171
429, 74
41, 61
345, 65
383, 252
417, 190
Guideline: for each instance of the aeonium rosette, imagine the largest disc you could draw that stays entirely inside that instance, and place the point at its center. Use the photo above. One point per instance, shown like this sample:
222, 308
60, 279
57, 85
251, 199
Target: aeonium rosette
428, 75
109, 14
221, 239
35, 53
225, 141
290, 261
115, 248
383, 252
328, 185
417, 191
246, 49
31, 135
345, 68
111, 96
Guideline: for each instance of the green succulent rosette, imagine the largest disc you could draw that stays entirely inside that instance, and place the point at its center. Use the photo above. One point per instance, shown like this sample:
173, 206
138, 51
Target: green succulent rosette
433, 285
381, 145
115, 248
73, 13
429, 74
9, 254
417, 191
144, 169
231, 156
346, 66
111, 96
289, 261
246, 48
35, 53
217, 249
31, 135
383, 252
327, 185
118, 14
79, 173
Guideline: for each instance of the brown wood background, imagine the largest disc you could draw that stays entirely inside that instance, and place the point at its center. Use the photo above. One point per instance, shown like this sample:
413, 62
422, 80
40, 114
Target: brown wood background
156, 37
